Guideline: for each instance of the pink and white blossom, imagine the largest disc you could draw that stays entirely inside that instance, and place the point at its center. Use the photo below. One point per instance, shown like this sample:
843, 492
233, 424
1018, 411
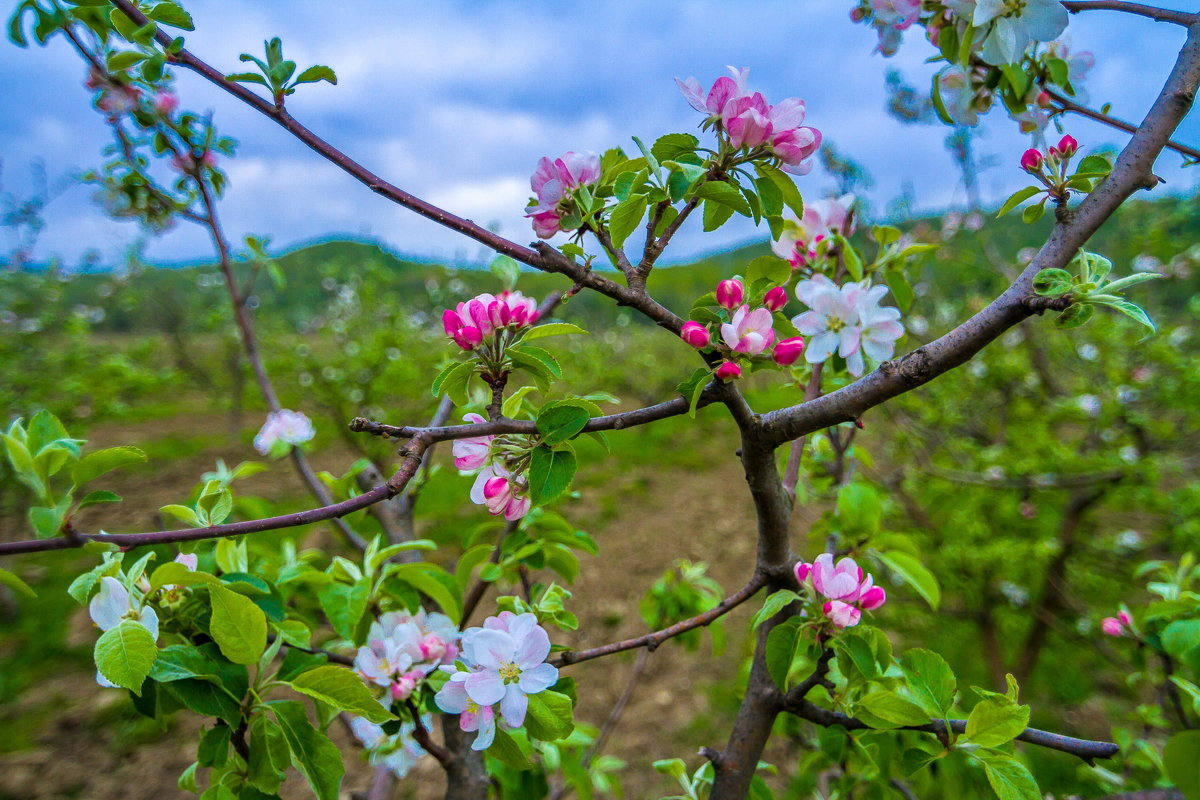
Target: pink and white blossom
848, 590
843, 615
553, 183
847, 320
476, 319
472, 452
398, 752
731, 293
283, 427
800, 240
695, 334
403, 648
472, 717
1014, 26
749, 332
501, 491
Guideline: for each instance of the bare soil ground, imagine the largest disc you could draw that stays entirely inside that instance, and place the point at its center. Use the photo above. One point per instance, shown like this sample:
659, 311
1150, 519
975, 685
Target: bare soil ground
85, 743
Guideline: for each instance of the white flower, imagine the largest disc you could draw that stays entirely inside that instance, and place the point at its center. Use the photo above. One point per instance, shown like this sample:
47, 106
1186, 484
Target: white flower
113, 604
398, 752
288, 427
1016, 24
847, 320
958, 95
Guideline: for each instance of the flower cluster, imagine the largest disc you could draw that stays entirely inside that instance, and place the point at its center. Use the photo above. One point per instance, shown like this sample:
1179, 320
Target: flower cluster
398, 752
470, 323
804, 239
1118, 625
502, 663
848, 320
282, 430
749, 121
554, 207
496, 486
848, 591
890, 18
402, 649
1011, 26
747, 333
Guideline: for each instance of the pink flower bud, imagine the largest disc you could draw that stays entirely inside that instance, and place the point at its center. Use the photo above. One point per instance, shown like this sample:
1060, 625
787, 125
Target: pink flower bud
730, 293
776, 298
432, 648
1112, 626
857, 14
802, 569
872, 598
695, 334
495, 488
1043, 99
788, 350
1125, 619
402, 687
842, 614
729, 371
1068, 146
1031, 160
165, 103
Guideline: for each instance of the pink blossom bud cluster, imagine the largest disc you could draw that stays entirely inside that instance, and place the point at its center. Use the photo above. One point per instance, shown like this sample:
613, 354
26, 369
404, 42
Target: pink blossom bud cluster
804, 240
496, 487
500, 665
402, 649
748, 121
848, 591
847, 320
1033, 161
189, 162
748, 332
483, 315
555, 184
1119, 625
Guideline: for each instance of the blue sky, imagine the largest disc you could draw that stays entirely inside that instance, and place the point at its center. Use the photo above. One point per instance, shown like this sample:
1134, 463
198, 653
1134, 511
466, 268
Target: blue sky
456, 101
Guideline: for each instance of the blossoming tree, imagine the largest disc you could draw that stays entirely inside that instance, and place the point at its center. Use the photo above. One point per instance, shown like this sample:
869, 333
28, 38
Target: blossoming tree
380, 633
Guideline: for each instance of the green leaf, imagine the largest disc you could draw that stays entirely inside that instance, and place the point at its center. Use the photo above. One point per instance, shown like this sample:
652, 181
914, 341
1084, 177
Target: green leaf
1181, 761
787, 187
625, 218
1181, 640
900, 288
315, 755
247, 77
1095, 165
1053, 282
550, 473
214, 746
557, 424
770, 196
344, 604
1033, 213
673, 145
774, 603
930, 680
781, 651
1074, 316
316, 73
238, 626
1130, 280
693, 387
95, 464
851, 258
97, 497
893, 709
507, 270
725, 194
773, 268
173, 573
46, 522
342, 689
530, 356
433, 581
1131, 310
1010, 779
453, 381
994, 722
172, 14
269, 754
715, 215
1016, 198
915, 574
550, 716
124, 655
505, 748
16, 584
124, 60
551, 329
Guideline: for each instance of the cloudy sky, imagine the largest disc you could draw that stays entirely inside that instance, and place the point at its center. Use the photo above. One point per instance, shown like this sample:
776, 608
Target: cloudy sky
455, 102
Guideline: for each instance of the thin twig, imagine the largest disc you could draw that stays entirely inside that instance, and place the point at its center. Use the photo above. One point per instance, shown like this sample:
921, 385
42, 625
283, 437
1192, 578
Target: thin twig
1072, 107
1183, 18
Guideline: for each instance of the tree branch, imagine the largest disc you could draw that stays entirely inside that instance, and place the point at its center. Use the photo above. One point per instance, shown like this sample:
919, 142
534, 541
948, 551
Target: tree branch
1072, 107
652, 640
1132, 170
1183, 18
1083, 748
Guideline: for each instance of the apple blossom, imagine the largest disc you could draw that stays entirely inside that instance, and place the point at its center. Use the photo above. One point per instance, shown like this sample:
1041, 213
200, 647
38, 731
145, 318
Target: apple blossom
473, 452
1067, 147
1118, 625
474, 320
283, 426
880, 326
1032, 160
731, 293
960, 96
775, 298
1078, 66
502, 493
842, 614
453, 699
728, 371
398, 752
788, 351
165, 102
847, 589
114, 604
695, 334
403, 648
749, 332
890, 19
847, 320
822, 218
1016, 24
553, 183
507, 665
